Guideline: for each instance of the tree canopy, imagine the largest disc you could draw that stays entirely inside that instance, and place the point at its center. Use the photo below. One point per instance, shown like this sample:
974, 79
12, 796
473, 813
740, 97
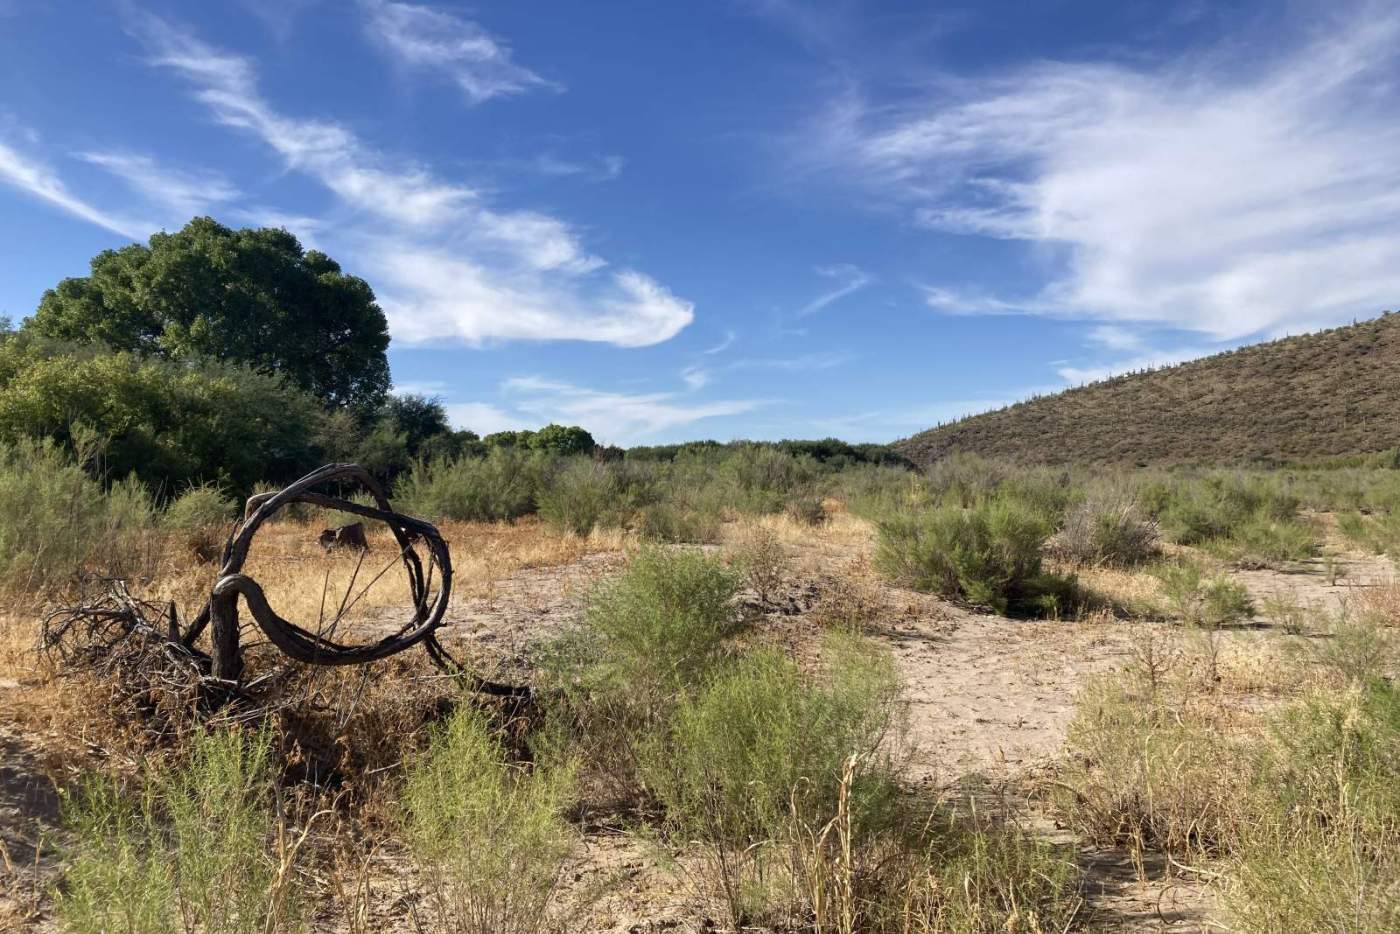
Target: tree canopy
250, 296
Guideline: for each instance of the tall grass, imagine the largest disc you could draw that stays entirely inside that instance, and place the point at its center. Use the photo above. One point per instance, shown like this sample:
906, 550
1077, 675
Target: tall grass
487, 834
198, 847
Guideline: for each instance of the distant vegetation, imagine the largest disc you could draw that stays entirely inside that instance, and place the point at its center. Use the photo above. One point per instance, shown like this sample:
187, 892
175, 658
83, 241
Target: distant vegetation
1332, 394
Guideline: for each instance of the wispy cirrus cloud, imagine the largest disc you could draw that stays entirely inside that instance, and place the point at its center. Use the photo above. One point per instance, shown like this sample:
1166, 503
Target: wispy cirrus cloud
615, 416
1204, 194
183, 194
476, 61
37, 179
445, 264
850, 279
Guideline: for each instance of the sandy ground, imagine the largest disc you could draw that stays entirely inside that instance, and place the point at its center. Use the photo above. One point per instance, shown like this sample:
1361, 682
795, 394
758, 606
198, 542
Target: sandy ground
989, 698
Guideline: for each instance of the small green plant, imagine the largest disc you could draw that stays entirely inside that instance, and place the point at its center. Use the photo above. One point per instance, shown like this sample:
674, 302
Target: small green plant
1203, 601
650, 637
1286, 613
201, 516
676, 523
1357, 647
988, 554
763, 754
487, 834
199, 847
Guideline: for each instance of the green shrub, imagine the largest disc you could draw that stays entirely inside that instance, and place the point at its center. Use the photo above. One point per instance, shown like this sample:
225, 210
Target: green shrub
982, 875
56, 521
1323, 850
762, 563
1267, 543
195, 850
764, 756
649, 637
579, 496
502, 485
988, 554
201, 516
1148, 771
1198, 509
674, 523
487, 834
1200, 600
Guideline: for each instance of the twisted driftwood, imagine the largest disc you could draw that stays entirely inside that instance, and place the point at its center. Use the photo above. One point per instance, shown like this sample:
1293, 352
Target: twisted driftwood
224, 663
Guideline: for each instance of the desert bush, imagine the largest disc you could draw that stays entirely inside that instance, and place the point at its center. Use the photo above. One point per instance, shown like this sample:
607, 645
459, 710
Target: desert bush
1200, 600
1286, 613
502, 485
201, 516
1107, 529
579, 496
1323, 850
762, 756
56, 520
806, 508
964, 478
199, 847
649, 637
1149, 770
762, 562
674, 522
1357, 647
988, 554
874, 492
487, 834
1198, 509
1262, 542
980, 874
764, 478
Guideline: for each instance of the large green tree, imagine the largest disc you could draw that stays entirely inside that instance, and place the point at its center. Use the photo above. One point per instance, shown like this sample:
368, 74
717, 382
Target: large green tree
250, 296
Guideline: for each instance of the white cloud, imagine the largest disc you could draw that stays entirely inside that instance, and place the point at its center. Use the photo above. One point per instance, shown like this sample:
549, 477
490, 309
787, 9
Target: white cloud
484, 418
1145, 359
445, 265
612, 416
696, 377
185, 194
729, 338
1200, 195
38, 180
851, 278
477, 62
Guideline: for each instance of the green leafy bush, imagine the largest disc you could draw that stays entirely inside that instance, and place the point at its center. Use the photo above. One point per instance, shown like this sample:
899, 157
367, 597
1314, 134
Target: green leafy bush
988, 554
579, 496
488, 835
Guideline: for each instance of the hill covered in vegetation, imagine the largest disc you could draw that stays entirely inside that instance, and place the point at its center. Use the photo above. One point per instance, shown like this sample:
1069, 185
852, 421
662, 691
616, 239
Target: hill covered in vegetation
1329, 394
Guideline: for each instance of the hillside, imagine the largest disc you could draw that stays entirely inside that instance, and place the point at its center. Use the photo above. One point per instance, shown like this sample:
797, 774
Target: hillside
1330, 393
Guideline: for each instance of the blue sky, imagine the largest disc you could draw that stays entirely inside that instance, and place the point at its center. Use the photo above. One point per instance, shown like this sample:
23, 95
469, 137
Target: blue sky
738, 218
